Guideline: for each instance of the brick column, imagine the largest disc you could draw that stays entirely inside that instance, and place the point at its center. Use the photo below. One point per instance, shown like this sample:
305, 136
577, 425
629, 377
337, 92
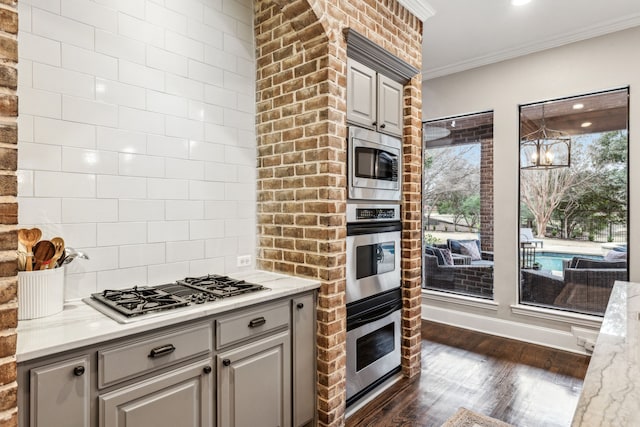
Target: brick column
8, 212
486, 191
301, 138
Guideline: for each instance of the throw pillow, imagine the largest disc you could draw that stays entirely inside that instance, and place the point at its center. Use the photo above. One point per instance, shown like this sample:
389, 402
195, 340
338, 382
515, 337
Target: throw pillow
615, 256
470, 249
430, 250
454, 245
446, 255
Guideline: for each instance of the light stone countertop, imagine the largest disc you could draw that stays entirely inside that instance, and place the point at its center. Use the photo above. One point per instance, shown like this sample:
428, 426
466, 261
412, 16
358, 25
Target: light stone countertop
611, 390
80, 325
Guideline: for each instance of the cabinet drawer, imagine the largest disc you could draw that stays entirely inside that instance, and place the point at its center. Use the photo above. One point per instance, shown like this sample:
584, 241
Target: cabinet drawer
250, 323
136, 358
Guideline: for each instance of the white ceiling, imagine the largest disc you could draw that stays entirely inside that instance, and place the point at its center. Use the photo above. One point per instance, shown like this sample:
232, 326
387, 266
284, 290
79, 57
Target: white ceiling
464, 34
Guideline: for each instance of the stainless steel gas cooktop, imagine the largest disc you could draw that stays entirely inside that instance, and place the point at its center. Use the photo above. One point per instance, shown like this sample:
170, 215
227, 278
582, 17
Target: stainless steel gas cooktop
127, 305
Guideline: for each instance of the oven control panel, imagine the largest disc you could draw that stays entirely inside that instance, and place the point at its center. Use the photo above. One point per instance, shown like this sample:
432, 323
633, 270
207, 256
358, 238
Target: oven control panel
368, 213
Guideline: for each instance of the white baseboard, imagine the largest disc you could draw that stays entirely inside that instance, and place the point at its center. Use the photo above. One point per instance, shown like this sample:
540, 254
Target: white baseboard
561, 340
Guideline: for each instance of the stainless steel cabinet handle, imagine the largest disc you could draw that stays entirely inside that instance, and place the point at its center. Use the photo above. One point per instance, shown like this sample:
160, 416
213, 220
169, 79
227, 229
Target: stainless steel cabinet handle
226, 362
259, 321
78, 371
163, 350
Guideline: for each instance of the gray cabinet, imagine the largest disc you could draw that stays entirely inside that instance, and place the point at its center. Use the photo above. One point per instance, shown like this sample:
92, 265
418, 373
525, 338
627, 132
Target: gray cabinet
182, 397
254, 384
60, 394
374, 101
304, 359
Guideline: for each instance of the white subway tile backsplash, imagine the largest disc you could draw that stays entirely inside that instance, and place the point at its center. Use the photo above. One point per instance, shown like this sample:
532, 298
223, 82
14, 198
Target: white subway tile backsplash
64, 184
185, 87
133, 119
185, 250
160, 102
59, 132
88, 61
206, 229
205, 73
221, 172
184, 169
141, 255
167, 272
167, 146
168, 189
184, 209
59, 80
120, 47
121, 278
140, 165
91, 13
39, 49
63, 29
193, 9
35, 210
39, 156
50, 5
166, 61
140, 75
40, 103
113, 92
136, 123
89, 210
113, 139
202, 190
121, 187
87, 111
25, 183
89, 161
168, 231
141, 30
166, 18
121, 233
205, 112
140, 210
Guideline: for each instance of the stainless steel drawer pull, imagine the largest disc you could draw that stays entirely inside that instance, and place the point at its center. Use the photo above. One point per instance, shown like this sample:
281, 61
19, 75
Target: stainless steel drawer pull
163, 350
257, 322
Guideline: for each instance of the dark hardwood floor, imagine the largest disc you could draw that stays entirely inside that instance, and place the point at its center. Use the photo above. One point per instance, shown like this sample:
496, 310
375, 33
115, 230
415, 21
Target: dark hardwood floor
522, 384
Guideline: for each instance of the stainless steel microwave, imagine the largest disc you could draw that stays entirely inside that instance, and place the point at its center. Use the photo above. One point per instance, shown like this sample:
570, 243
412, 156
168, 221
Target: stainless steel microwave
374, 165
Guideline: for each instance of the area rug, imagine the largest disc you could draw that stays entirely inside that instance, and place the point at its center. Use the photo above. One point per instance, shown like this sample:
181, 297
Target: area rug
467, 418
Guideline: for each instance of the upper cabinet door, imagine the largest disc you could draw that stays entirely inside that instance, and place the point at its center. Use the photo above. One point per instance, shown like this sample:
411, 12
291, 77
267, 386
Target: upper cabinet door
361, 94
389, 106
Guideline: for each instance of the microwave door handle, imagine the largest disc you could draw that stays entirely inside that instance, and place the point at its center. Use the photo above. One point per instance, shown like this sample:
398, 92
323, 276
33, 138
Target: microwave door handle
375, 316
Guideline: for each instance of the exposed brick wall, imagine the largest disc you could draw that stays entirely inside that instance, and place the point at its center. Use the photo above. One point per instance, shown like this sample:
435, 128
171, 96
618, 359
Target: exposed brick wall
486, 190
301, 131
8, 212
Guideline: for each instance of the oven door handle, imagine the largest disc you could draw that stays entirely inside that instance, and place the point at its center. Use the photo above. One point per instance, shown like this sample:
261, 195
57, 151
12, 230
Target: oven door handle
373, 316
372, 228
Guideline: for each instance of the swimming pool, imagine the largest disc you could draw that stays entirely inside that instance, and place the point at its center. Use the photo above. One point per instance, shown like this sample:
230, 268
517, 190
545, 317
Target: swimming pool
553, 260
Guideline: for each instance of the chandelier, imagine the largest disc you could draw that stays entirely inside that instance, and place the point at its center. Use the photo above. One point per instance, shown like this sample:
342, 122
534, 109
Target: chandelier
545, 148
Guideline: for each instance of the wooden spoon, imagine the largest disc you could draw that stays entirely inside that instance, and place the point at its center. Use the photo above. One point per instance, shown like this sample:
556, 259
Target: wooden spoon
43, 251
58, 243
29, 238
22, 256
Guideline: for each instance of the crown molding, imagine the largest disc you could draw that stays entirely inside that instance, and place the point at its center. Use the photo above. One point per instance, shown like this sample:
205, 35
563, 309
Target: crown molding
564, 39
419, 8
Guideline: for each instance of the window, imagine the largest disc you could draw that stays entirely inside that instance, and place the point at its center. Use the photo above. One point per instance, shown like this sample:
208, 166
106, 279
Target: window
573, 201
458, 205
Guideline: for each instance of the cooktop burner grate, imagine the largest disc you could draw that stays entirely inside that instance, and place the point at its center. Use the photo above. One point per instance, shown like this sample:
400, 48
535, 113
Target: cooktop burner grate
139, 300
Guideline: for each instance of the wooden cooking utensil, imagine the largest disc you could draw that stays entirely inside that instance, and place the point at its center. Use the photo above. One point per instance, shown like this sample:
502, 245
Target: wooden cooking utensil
22, 256
29, 238
58, 243
43, 251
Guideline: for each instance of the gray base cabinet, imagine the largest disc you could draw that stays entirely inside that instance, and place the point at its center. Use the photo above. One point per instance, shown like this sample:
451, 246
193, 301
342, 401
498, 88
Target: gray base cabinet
254, 384
178, 398
60, 394
304, 359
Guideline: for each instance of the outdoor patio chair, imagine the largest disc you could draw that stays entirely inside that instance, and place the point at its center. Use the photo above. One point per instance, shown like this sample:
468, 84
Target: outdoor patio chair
474, 280
526, 236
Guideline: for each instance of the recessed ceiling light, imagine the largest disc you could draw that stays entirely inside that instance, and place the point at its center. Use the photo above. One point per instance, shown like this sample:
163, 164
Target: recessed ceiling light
586, 124
519, 2
578, 106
